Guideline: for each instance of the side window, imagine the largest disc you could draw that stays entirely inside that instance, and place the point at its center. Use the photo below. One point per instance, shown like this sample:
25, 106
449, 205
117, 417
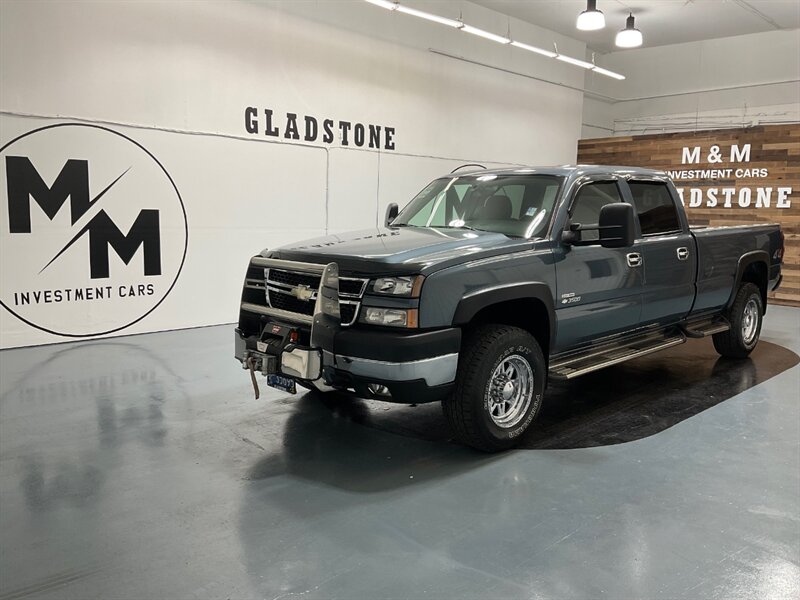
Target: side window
655, 207
586, 207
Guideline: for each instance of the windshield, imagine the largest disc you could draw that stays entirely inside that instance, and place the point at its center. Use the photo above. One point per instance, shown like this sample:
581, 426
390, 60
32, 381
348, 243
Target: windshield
515, 205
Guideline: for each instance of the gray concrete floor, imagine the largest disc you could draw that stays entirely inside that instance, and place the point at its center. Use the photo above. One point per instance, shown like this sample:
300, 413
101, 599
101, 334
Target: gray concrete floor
142, 467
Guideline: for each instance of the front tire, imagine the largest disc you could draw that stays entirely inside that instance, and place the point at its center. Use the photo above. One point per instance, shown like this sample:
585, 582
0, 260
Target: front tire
745, 316
499, 387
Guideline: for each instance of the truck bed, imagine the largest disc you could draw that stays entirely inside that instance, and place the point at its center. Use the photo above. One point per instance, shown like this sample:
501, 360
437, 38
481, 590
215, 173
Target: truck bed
719, 250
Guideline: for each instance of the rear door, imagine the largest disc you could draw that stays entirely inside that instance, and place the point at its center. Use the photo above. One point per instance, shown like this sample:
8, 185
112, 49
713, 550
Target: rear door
668, 252
598, 289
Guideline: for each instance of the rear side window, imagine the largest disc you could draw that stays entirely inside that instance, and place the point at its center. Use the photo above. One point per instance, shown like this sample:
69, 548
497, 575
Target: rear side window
655, 207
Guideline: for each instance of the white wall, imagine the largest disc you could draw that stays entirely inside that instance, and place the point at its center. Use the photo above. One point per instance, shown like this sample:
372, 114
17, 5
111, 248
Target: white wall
177, 76
736, 81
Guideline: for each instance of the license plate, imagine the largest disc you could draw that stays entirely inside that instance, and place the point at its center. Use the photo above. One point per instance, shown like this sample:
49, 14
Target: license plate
282, 383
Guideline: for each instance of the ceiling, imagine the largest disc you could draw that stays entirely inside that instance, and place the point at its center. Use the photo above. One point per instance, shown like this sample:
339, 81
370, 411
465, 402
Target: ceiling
661, 22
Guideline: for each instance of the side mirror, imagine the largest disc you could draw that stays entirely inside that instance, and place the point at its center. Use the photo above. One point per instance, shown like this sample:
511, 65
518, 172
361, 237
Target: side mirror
617, 228
572, 235
391, 214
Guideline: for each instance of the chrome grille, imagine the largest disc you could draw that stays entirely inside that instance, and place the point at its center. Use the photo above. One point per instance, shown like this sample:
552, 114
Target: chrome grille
279, 288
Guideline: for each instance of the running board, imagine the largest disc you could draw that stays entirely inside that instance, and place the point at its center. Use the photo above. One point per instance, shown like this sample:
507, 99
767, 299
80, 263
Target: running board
600, 358
706, 328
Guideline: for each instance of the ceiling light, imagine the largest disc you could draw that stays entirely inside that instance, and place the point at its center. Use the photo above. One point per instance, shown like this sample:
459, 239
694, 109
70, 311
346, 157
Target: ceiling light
591, 13
608, 73
575, 61
591, 19
630, 37
547, 53
384, 4
485, 34
435, 18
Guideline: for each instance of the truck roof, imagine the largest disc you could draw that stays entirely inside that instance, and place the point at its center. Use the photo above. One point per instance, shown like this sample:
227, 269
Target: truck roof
572, 171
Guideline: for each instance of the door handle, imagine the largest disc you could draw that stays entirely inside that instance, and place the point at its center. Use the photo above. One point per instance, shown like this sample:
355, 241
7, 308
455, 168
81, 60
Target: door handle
683, 253
634, 259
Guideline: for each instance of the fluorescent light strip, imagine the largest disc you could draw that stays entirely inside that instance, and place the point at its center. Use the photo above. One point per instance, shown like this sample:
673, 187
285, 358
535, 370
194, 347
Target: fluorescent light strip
384, 4
396, 6
608, 73
574, 61
541, 51
485, 34
428, 16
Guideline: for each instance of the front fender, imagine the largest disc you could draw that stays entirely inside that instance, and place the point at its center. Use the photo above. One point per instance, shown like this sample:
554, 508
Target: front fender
471, 304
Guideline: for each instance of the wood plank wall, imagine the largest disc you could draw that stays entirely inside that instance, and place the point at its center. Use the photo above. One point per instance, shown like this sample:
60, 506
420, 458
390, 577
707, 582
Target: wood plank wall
774, 148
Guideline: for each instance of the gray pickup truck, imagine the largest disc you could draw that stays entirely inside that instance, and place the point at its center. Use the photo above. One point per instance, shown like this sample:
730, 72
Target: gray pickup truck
489, 283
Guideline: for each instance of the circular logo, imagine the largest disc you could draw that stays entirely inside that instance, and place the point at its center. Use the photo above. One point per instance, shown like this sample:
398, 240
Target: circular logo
93, 230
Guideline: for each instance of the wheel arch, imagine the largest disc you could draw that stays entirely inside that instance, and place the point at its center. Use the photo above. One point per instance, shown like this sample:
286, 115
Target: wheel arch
525, 305
753, 267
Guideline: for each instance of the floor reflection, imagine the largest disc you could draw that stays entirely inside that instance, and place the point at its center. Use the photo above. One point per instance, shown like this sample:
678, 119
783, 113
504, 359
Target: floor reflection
149, 455
328, 438
619, 404
124, 384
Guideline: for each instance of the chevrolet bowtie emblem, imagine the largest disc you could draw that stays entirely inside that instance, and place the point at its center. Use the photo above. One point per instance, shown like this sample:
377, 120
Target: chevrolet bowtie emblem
302, 292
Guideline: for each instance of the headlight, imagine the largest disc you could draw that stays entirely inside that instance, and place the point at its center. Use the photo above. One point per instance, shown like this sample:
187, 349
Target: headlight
390, 317
407, 287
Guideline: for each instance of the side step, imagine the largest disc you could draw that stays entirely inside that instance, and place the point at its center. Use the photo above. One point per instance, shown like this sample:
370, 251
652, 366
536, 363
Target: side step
706, 328
598, 358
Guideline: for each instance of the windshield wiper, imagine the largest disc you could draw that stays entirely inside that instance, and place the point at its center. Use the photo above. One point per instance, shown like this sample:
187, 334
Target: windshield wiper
470, 227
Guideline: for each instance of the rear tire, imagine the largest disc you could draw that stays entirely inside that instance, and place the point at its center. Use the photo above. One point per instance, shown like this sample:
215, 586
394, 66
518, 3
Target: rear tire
499, 387
745, 316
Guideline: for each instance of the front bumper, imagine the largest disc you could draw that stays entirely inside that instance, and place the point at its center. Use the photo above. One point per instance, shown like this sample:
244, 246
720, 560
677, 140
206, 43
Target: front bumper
413, 368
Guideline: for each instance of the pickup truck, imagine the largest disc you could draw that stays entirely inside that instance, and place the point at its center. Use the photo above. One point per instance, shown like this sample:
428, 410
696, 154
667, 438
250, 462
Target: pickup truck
489, 283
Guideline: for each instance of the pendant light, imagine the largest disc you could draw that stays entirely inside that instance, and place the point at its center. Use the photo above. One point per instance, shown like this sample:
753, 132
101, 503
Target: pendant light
591, 19
630, 37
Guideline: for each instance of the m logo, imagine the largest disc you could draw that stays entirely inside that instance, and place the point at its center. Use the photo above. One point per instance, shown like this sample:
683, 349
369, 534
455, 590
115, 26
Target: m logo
24, 183
94, 232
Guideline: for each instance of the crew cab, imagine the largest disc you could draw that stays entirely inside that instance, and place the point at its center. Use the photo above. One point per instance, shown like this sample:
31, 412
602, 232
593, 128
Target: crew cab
490, 283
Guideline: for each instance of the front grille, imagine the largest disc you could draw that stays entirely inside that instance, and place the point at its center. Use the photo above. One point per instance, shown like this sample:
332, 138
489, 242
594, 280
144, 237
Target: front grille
348, 286
273, 287
290, 303
292, 278
348, 312
351, 287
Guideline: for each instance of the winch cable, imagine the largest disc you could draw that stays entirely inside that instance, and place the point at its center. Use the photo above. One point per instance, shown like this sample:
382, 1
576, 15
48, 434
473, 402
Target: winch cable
251, 364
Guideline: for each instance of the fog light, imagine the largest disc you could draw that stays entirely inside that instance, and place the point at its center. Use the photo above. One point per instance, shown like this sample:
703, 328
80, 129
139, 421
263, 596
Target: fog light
378, 390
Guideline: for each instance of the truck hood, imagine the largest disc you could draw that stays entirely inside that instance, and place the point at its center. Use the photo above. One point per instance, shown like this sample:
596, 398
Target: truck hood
400, 249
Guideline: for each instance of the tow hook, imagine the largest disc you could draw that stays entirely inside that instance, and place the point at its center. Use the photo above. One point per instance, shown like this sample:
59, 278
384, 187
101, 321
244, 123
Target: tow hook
251, 365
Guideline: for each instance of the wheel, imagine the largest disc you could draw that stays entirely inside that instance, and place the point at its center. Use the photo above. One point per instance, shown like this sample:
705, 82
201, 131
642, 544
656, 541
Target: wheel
745, 317
499, 387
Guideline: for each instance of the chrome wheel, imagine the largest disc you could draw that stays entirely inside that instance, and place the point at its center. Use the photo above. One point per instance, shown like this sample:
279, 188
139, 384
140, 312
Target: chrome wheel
750, 317
510, 391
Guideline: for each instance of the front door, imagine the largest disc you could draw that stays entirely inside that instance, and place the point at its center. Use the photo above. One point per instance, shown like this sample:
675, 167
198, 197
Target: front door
669, 253
598, 289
